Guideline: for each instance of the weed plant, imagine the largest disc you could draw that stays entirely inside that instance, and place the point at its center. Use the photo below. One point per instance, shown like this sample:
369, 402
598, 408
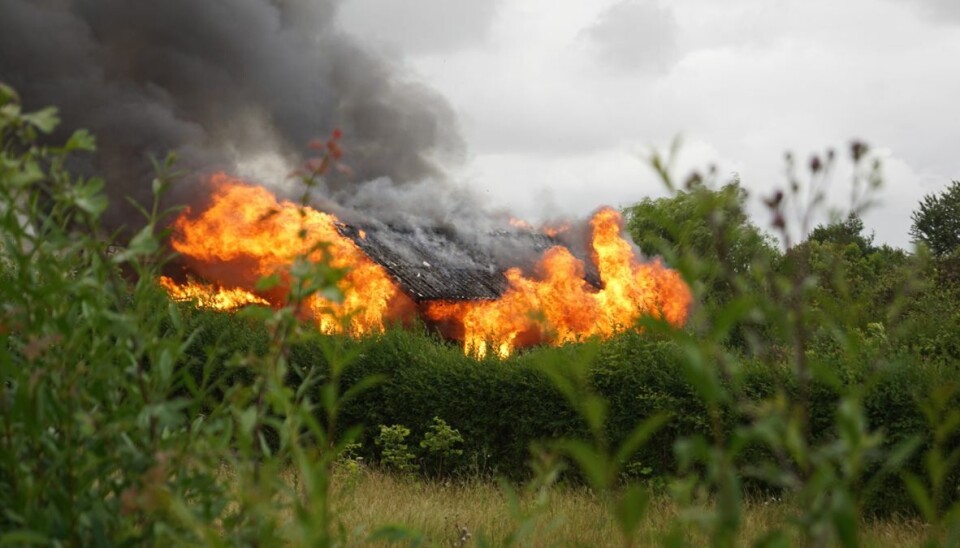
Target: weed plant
112, 431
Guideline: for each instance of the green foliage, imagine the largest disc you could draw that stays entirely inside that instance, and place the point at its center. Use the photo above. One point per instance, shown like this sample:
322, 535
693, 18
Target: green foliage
123, 422
441, 442
692, 220
440, 439
91, 433
843, 233
395, 453
928, 315
501, 409
808, 303
855, 280
939, 462
936, 222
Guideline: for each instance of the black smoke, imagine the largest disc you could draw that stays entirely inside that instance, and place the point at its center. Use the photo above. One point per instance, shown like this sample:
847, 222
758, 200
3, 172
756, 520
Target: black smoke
217, 81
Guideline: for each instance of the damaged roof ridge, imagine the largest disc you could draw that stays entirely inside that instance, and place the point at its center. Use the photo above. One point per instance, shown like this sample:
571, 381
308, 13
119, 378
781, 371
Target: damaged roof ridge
446, 268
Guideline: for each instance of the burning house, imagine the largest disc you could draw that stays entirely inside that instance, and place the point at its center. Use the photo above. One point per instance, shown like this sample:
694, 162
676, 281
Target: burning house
221, 84
517, 288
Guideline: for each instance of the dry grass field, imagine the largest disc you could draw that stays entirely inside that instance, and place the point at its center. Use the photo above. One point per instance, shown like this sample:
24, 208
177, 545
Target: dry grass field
444, 512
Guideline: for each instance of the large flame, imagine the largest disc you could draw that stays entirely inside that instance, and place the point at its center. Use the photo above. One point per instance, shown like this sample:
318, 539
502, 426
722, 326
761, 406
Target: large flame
246, 233
210, 295
559, 306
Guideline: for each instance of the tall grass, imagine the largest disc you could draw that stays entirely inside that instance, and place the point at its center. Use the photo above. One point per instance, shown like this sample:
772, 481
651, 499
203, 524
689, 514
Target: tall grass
565, 516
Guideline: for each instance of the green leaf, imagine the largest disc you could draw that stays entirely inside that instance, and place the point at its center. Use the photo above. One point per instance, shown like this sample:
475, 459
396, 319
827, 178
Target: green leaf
639, 436
173, 311
701, 374
264, 446
593, 408
919, 495
728, 316
9, 112
143, 243
158, 185
165, 366
364, 384
44, 120
266, 283
845, 519
27, 175
81, 140
94, 205
590, 461
7, 94
901, 453
248, 420
690, 450
22, 537
631, 509
88, 197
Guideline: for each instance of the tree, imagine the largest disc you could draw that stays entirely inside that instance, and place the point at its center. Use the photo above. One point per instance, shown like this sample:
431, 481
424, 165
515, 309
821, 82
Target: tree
844, 233
703, 222
937, 221
855, 280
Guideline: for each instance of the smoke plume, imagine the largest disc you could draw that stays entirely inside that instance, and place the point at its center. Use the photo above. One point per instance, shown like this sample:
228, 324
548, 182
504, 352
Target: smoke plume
219, 82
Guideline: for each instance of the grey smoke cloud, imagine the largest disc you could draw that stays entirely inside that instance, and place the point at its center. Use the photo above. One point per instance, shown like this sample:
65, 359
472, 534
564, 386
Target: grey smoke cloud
216, 82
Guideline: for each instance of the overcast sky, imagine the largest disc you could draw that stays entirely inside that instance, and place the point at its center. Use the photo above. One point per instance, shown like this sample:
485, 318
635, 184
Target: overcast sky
558, 100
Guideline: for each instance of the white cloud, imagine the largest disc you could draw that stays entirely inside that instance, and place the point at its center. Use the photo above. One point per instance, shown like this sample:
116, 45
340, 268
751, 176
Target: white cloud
940, 10
635, 35
420, 26
576, 184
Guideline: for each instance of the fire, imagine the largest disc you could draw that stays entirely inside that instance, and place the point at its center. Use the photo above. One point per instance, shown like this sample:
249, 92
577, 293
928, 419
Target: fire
246, 233
519, 223
559, 306
210, 295
555, 230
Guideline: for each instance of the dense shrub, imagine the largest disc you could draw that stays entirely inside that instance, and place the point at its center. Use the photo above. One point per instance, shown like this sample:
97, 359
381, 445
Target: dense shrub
502, 407
124, 418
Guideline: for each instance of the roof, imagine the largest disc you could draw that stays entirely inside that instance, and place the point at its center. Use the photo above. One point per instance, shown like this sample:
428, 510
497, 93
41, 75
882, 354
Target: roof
436, 264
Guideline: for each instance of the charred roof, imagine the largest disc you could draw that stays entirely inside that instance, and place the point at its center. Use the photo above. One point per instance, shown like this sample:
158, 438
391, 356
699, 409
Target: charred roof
437, 264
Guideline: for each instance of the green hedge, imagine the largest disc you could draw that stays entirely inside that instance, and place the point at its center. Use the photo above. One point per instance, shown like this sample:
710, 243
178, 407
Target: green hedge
502, 407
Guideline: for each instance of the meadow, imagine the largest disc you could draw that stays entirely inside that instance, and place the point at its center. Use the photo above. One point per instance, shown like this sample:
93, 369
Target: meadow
476, 511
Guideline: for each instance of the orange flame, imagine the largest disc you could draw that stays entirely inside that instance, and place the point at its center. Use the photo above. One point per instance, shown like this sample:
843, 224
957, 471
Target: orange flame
555, 230
210, 295
519, 223
559, 306
245, 233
